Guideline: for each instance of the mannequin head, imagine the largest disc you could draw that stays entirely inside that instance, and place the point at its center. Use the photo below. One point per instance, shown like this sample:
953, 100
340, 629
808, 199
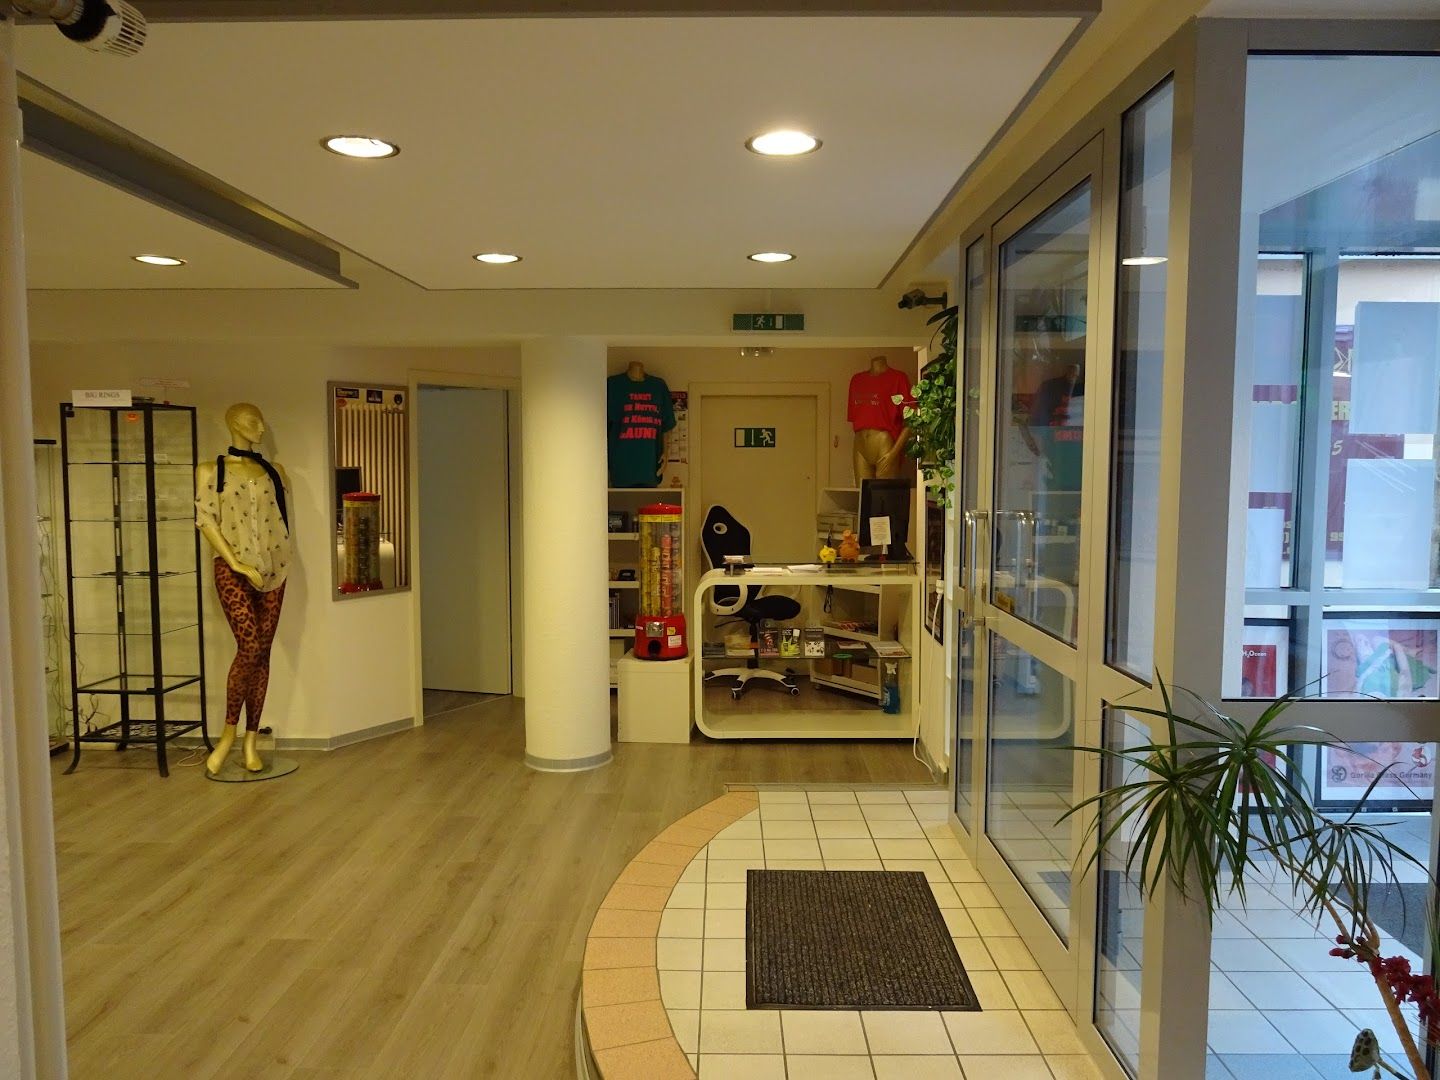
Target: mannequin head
246, 424
878, 364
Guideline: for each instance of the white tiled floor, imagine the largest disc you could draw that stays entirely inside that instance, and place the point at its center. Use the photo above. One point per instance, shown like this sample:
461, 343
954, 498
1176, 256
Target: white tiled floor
1021, 1034
1280, 1005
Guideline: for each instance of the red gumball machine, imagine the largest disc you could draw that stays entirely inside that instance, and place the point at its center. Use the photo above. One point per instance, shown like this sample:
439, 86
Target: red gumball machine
660, 625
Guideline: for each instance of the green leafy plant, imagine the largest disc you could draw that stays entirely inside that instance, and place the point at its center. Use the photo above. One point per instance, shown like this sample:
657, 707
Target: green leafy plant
931, 419
1219, 805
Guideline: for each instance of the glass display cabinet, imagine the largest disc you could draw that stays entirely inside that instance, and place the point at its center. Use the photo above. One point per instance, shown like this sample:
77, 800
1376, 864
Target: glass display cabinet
137, 656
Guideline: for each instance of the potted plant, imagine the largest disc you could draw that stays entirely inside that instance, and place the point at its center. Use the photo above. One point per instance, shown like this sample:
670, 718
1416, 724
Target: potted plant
931, 417
1220, 802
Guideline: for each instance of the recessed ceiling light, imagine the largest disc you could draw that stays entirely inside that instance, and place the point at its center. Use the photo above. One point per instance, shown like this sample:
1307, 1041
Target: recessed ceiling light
770, 257
1143, 260
497, 258
783, 143
158, 260
360, 146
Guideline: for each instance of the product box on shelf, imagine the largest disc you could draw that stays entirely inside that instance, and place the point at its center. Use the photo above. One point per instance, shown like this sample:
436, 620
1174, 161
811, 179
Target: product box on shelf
790, 641
814, 642
770, 643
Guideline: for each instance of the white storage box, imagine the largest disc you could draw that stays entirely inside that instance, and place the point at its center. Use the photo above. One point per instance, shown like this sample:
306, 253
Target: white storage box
654, 700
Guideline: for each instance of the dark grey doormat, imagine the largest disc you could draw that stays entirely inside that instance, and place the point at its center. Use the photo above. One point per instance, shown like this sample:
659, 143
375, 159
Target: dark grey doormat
849, 939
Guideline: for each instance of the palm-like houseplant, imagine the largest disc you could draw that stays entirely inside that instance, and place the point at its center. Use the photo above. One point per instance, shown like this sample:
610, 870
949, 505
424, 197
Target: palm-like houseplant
1209, 808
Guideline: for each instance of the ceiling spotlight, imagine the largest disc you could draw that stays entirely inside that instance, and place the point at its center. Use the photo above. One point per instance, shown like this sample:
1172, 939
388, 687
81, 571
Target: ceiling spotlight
360, 146
1143, 260
158, 260
783, 143
770, 257
497, 258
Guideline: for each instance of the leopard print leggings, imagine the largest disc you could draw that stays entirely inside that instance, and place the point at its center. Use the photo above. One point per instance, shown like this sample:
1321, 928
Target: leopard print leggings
253, 616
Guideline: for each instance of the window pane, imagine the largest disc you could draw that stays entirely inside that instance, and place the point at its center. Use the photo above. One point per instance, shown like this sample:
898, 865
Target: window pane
1382, 510
1032, 736
1121, 937
1388, 657
1139, 380
1264, 662
1279, 356
1044, 289
969, 406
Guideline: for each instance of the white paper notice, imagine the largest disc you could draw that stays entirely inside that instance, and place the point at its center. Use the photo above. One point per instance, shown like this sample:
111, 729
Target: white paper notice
1389, 515
1264, 547
880, 531
97, 399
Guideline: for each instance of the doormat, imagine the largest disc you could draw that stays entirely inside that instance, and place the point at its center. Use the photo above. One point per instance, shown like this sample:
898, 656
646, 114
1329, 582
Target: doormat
1399, 908
849, 939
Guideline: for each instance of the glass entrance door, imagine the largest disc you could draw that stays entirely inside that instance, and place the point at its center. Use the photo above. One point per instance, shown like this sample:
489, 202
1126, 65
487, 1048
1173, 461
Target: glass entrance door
1025, 500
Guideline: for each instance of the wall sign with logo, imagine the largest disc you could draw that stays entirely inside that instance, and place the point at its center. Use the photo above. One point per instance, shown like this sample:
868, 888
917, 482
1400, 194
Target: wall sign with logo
758, 438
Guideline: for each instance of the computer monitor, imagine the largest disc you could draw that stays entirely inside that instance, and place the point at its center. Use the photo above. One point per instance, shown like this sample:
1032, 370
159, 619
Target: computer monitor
890, 499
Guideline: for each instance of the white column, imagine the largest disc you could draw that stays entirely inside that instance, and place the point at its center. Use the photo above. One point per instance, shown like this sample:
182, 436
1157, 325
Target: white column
567, 555
32, 1008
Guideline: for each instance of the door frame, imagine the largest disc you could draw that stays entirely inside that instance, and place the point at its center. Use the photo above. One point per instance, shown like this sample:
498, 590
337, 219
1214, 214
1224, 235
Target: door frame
510, 385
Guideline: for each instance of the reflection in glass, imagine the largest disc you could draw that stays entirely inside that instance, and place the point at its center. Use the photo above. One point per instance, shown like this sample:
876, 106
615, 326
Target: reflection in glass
1386, 657
964, 766
1044, 290
1139, 380
1264, 660
1121, 937
1279, 344
1032, 735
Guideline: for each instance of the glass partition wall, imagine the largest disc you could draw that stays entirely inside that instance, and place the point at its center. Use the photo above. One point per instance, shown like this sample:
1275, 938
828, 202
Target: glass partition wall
1221, 475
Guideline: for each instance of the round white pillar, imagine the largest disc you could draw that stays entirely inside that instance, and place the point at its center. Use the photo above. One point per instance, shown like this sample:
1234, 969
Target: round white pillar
567, 556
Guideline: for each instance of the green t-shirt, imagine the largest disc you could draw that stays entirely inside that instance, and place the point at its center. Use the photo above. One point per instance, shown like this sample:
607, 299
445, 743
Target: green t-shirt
638, 414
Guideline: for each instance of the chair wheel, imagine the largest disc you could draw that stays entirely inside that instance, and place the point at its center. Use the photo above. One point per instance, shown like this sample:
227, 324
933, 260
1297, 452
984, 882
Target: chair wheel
794, 691
735, 694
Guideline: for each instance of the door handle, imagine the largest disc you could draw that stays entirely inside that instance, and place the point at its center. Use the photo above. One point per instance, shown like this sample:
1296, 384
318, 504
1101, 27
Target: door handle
970, 614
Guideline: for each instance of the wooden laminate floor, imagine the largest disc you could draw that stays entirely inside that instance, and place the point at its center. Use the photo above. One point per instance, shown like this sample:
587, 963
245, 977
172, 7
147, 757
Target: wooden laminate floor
412, 907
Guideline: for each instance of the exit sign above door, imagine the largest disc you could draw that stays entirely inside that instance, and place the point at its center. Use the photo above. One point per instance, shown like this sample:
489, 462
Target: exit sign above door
766, 322
750, 437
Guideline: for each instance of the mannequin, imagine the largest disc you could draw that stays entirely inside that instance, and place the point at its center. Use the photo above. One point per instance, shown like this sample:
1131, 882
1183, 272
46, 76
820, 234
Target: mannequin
879, 422
639, 418
243, 515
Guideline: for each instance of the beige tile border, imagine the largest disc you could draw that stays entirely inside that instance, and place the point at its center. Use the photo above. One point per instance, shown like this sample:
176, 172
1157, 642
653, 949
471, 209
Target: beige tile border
626, 1023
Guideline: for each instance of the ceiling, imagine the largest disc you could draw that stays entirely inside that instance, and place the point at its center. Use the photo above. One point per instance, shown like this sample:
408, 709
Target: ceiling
608, 152
82, 234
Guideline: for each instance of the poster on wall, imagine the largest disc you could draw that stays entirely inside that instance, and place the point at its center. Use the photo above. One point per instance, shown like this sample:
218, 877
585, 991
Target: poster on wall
1382, 660
678, 442
1346, 774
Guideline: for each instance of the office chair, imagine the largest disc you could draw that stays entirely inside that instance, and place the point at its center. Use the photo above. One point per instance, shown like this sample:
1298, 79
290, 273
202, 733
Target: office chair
723, 535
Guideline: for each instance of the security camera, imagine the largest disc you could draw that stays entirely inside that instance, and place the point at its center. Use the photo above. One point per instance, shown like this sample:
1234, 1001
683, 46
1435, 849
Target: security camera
108, 26
917, 298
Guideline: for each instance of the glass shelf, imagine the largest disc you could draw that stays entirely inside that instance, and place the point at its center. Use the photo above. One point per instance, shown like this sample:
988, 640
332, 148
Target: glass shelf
132, 575
137, 684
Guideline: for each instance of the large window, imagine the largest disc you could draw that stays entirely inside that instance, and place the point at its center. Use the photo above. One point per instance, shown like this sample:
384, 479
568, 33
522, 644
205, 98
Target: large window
1340, 324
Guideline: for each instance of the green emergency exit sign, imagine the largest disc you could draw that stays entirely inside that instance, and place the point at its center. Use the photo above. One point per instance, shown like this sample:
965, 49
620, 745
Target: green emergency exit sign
755, 437
767, 322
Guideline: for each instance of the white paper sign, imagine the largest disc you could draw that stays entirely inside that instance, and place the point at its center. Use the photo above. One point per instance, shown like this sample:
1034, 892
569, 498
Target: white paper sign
94, 399
880, 531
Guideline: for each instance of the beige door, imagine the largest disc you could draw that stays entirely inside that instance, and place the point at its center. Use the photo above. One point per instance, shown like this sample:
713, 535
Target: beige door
768, 483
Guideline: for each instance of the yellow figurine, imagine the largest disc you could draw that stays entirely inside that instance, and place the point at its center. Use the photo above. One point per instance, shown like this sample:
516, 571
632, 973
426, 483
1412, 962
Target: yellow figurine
827, 554
849, 546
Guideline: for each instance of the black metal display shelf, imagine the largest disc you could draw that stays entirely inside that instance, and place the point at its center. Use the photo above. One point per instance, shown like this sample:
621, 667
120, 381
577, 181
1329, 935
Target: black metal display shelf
144, 644
138, 732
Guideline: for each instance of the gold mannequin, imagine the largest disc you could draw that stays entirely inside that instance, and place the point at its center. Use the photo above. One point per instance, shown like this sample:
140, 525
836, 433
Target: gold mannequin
879, 454
247, 428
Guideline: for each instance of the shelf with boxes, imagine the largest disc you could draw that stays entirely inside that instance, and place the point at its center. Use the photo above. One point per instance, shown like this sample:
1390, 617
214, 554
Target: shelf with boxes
841, 668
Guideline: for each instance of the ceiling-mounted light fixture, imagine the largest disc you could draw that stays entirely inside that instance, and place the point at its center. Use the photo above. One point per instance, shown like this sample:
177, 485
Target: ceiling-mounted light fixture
158, 260
771, 257
108, 26
361, 147
497, 258
785, 142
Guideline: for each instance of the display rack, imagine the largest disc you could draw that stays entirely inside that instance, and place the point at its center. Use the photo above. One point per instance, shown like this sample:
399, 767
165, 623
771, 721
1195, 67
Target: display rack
52, 604
625, 555
882, 596
132, 557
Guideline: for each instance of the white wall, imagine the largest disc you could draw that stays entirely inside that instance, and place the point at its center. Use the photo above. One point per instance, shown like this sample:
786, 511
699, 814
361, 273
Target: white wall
337, 667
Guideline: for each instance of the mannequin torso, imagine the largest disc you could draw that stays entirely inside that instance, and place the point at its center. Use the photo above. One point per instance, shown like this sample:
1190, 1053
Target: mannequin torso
880, 434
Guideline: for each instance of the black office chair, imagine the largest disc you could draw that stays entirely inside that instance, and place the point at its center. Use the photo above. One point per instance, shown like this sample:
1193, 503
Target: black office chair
723, 535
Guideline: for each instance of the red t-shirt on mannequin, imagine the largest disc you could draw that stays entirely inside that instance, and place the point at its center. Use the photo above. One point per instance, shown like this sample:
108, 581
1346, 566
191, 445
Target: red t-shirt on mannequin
872, 401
